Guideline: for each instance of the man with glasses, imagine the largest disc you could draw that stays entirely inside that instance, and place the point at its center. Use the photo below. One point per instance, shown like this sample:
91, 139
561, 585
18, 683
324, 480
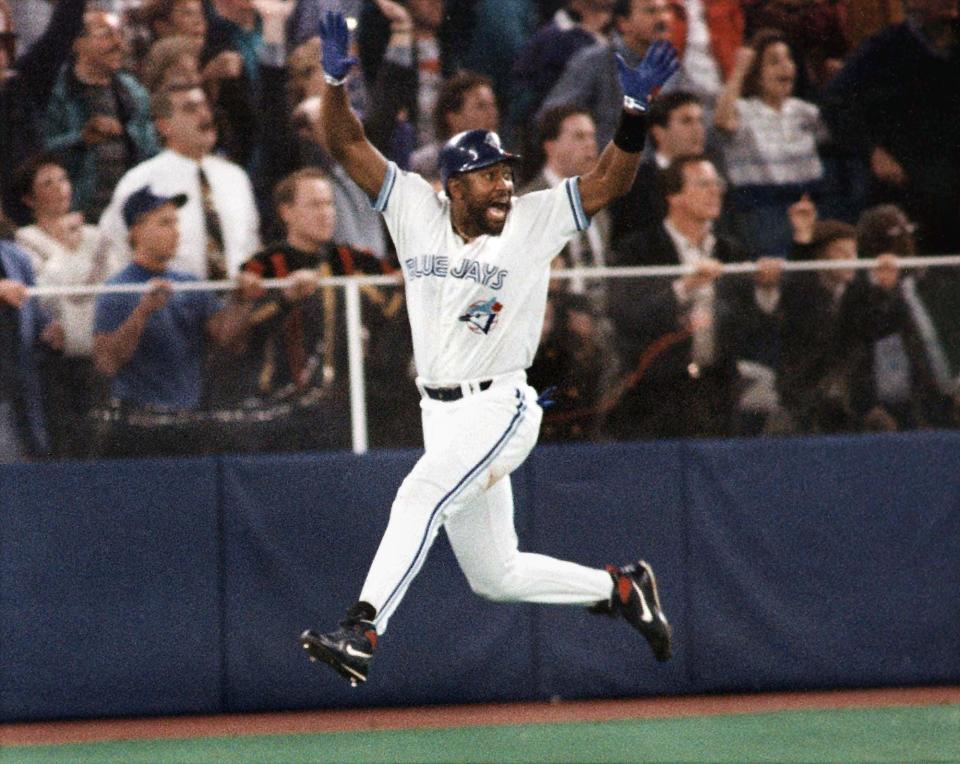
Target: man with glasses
219, 223
98, 116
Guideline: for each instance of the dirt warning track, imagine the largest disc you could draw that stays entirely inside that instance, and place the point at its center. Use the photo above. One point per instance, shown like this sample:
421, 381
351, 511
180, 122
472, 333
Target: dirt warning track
307, 722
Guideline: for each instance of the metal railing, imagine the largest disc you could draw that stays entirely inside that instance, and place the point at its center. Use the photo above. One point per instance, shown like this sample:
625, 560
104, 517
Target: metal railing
352, 286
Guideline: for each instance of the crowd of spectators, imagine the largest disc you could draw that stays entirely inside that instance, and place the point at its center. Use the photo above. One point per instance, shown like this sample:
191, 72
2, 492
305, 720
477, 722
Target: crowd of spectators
163, 142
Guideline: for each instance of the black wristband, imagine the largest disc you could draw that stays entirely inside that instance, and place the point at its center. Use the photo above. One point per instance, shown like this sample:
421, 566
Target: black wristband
631, 135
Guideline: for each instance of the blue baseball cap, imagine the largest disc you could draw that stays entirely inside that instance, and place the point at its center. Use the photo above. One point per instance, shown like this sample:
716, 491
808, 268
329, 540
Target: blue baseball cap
142, 201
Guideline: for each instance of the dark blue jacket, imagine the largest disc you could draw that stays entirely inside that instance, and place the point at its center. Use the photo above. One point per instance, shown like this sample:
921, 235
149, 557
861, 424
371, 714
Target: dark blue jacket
894, 92
33, 319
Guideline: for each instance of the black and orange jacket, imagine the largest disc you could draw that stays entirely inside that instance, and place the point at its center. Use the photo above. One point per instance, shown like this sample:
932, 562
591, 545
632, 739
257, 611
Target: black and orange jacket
294, 347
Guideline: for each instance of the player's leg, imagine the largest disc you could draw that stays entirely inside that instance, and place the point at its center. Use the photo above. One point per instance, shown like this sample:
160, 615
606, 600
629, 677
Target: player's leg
469, 445
484, 540
415, 518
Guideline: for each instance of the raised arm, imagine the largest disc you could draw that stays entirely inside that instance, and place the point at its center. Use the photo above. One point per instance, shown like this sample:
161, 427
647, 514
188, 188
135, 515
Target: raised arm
614, 172
725, 117
346, 140
38, 66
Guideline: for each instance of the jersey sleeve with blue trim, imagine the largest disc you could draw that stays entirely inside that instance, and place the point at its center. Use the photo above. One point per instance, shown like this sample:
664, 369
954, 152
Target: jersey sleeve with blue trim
552, 217
405, 197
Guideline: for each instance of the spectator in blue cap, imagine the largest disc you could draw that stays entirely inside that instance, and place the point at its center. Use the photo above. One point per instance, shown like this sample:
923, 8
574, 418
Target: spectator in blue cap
142, 201
151, 344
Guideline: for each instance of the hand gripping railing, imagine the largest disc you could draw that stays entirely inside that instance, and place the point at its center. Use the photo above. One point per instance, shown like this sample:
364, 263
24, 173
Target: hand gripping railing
352, 285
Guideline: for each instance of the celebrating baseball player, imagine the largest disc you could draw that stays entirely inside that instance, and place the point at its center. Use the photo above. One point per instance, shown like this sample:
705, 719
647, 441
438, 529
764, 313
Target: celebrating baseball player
476, 264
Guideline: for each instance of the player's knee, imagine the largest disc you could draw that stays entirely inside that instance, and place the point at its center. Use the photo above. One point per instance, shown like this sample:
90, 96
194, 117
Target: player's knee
496, 586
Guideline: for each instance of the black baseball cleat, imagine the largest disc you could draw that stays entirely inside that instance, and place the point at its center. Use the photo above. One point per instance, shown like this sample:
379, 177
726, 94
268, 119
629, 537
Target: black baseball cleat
635, 598
349, 649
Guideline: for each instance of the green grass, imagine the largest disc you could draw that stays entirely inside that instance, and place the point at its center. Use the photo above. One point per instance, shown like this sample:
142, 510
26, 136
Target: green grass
905, 734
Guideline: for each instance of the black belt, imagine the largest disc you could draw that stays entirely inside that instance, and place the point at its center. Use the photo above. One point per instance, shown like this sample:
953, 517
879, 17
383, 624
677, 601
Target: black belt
448, 394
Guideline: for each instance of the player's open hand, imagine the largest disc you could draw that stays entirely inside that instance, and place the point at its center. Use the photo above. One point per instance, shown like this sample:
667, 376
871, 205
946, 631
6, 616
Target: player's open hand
656, 68
334, 54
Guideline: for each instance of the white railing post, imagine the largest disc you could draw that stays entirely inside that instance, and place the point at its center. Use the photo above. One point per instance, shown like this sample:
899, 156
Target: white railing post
358, 387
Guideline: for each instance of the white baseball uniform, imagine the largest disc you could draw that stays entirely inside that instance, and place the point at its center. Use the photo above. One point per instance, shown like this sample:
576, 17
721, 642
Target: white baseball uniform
476, 312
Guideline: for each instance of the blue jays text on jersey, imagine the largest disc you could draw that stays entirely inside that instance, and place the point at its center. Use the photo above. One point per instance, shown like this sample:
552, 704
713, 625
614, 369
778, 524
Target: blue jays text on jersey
485, 274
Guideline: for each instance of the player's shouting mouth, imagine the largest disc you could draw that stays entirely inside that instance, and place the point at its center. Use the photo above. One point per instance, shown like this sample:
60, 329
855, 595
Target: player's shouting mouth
486, 196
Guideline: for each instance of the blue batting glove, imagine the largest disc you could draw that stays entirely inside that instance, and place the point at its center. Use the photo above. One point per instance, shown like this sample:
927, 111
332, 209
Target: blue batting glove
335, 43
546, 400
656, 68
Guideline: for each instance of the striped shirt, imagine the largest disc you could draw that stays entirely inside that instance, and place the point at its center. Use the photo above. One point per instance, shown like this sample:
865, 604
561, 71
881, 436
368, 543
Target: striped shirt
773, 147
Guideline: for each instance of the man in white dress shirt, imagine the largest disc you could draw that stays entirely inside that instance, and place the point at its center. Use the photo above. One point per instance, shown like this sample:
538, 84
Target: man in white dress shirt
216, 238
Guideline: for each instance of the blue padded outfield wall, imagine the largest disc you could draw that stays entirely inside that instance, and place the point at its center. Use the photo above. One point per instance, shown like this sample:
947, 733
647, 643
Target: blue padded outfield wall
180, 586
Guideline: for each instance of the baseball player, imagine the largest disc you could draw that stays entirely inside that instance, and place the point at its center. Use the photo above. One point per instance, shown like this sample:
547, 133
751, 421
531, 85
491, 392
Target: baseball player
476, 265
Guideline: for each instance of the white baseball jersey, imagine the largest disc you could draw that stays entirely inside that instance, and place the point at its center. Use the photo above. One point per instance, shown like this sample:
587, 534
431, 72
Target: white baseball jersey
476, 309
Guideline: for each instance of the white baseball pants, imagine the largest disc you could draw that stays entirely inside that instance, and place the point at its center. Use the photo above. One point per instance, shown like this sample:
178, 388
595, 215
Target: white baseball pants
462, 483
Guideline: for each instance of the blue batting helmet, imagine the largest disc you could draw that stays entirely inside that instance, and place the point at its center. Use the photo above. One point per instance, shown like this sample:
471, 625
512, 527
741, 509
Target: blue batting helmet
470, 151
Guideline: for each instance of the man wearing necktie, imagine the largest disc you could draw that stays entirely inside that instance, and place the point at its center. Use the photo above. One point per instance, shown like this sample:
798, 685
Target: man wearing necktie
680, 339
216, 262
576, 354
219, 224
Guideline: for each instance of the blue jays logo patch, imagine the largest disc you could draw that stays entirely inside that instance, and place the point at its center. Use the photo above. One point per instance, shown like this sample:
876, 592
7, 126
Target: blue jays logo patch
482, 315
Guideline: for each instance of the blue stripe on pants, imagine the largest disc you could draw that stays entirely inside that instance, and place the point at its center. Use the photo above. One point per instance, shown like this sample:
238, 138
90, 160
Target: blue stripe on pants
447, 499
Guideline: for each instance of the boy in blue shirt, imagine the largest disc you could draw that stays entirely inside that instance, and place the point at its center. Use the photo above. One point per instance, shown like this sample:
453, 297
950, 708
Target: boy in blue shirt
151, 344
